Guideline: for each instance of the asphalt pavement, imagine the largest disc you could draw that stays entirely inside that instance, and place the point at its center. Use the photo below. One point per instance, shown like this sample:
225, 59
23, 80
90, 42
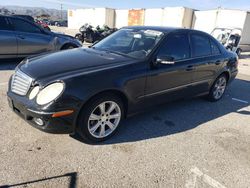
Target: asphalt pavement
188, 143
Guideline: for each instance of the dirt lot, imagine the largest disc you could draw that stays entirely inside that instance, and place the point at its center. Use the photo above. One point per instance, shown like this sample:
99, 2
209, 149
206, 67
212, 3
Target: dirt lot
190, 143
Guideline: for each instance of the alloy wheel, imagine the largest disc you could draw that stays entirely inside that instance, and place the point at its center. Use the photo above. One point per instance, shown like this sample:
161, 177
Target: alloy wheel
104, 119
219, 87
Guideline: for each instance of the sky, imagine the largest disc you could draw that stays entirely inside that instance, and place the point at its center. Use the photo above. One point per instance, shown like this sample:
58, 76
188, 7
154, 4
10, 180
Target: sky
125, 4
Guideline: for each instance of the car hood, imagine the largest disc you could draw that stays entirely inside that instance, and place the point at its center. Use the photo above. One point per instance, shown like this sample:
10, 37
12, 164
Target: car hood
68, 61
62, 35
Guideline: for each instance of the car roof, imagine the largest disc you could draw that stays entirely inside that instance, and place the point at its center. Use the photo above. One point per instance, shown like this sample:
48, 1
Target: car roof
17, 17
157, 28
165, 29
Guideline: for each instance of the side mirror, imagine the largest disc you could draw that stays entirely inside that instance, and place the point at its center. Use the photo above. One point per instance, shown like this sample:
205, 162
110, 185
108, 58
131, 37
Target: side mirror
166, 60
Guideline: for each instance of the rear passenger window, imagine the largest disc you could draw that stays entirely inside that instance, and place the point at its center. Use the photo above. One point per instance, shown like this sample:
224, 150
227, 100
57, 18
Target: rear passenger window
200, 45
215, 48
176, 46
3, 24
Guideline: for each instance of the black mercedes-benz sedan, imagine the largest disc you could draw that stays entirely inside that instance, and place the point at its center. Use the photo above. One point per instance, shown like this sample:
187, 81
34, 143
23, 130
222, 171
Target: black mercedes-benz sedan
89, 91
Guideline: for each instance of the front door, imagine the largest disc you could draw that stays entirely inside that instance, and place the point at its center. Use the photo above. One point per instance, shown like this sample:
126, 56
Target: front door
170, 81
30, 38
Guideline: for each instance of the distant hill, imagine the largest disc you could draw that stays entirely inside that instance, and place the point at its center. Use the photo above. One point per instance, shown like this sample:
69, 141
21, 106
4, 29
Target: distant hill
34, 11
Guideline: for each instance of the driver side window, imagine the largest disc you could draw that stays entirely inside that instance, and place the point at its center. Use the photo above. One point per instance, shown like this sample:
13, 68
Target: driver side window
175, 46
23, 26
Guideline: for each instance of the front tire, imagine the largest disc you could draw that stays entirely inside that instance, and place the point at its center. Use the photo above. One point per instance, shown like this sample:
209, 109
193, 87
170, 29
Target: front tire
218, 88
68, 47
100, 118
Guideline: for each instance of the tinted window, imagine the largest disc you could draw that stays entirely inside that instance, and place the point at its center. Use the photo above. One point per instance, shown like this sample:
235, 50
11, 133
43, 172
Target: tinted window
3, 24
23, 26
136, 43
214, 47
123, 41
176, 46
200, 45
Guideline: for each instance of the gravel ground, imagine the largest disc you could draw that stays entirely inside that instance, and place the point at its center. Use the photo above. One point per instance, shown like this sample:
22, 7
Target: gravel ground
190, 143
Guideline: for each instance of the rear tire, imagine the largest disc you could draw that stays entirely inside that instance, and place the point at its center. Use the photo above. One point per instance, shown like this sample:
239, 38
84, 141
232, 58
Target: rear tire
218, 88
100, 118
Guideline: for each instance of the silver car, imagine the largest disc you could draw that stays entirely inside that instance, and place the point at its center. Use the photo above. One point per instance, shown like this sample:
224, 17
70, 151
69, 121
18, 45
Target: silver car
20, 38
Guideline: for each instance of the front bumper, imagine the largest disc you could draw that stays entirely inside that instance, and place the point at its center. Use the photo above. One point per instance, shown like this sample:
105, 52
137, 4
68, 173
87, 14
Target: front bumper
50, 124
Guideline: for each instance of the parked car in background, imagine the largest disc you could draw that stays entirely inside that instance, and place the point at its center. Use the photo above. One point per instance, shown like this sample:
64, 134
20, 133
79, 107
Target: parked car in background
62, 23
92, 89
43, 24
51, 22
21, 38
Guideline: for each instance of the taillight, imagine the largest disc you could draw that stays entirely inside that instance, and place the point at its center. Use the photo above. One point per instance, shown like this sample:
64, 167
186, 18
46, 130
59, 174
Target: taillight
237, 63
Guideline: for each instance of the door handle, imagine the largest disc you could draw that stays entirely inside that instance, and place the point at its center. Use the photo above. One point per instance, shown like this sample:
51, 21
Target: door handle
21, 37
190, 68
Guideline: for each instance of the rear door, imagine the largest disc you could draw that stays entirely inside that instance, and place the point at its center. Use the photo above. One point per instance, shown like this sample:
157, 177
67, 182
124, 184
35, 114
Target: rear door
30, 38
206, 59
8, 41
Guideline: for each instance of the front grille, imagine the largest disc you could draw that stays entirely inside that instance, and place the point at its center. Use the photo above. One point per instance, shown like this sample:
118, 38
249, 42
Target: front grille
20, 83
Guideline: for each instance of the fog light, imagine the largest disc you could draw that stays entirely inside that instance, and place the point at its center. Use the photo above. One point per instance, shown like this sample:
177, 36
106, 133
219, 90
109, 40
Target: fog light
38, 121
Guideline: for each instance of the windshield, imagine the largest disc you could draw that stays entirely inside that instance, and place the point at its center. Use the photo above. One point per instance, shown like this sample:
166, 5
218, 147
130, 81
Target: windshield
131, 42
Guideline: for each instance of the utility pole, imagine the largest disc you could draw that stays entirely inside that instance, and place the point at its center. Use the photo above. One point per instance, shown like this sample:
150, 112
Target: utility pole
61, 10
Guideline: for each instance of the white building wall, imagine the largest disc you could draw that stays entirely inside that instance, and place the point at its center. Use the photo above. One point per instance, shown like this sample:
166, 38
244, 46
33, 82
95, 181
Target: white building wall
177, 17
173, 16
153, 17
246, 31
110, 17
80, 17
188, 18
205, 20
223, 18
97, 16
208, 20
231, 18
121, 18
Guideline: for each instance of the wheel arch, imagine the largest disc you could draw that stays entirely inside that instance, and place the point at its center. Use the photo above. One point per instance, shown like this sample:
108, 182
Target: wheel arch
68, 44
115, 92
226, 73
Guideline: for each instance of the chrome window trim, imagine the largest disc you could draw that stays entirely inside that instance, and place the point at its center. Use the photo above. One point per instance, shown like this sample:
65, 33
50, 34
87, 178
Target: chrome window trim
174, 88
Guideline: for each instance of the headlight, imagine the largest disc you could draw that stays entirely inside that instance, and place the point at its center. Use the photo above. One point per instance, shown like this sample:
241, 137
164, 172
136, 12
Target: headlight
49, 93
34, 92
